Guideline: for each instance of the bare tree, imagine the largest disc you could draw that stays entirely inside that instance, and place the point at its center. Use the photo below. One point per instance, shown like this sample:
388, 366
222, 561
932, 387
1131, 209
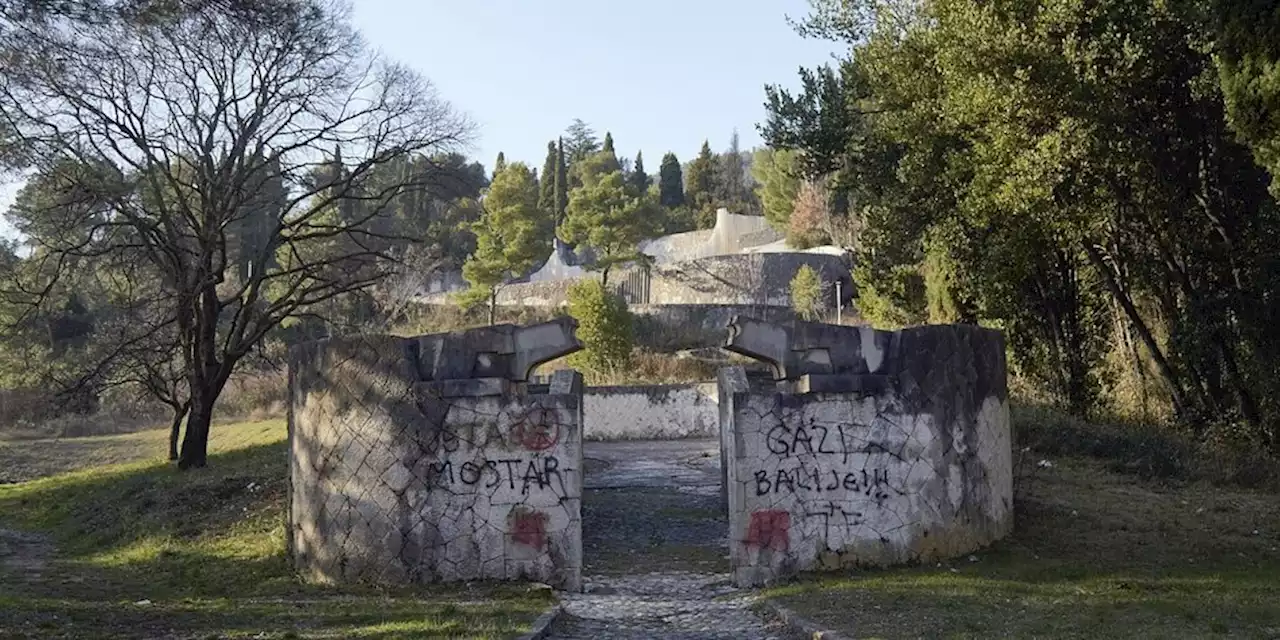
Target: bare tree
188, 121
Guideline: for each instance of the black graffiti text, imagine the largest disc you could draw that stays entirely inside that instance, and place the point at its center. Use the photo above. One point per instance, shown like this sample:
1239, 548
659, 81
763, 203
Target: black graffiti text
873, 483
524, 474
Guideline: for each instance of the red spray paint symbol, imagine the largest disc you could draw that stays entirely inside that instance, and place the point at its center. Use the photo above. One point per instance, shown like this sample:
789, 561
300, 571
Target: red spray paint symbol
769, 530
529, 528
538, 430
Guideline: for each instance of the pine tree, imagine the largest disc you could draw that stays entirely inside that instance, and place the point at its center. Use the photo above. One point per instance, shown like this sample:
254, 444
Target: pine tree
579, 141
509, 241
499, 164
670, 182
608, 143
639, 179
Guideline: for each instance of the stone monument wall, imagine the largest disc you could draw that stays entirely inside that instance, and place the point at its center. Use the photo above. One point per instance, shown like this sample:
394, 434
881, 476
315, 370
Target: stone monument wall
404, 471
869, 448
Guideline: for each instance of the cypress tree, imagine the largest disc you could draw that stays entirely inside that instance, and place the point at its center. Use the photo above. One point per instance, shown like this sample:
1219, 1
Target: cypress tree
561, 183
499, 164
547, 187
639, 179
610, 163
670, 182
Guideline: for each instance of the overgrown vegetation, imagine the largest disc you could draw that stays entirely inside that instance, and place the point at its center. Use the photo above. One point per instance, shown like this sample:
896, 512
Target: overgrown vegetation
1120, 531
1094, 554
807, 293
144, 551
1089, 177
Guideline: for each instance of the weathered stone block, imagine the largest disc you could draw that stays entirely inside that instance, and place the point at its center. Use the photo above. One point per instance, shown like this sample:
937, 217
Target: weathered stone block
908, 460
396, 478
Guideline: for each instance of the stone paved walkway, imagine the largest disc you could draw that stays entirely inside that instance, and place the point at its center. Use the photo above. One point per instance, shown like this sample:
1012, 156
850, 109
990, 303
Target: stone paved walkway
655, 547
675, 605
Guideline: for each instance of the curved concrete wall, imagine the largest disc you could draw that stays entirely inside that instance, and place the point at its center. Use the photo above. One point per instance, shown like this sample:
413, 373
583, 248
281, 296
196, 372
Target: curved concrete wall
763, 278
913, 467
740, 279
650, 412
733, 233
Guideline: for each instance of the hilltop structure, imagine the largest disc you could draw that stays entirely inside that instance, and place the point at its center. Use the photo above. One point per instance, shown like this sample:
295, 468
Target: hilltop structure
742, 261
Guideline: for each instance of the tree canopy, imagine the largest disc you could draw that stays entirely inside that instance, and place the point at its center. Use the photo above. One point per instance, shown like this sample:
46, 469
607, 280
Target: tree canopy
1065, 171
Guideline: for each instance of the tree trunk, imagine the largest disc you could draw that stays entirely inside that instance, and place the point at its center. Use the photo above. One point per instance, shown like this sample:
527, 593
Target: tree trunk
179, 412
1144, 332
195, 445
208, 375
493, 306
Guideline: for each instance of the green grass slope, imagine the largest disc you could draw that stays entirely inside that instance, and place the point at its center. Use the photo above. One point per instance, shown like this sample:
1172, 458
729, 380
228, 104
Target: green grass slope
140, 550
1094, 554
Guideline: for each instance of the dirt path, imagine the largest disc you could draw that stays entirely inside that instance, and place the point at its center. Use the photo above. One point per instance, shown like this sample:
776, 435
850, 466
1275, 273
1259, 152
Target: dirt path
23, 553
655, 548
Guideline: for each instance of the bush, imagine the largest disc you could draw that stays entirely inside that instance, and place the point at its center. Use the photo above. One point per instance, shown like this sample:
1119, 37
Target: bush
604, 327
1144, 449
806, 293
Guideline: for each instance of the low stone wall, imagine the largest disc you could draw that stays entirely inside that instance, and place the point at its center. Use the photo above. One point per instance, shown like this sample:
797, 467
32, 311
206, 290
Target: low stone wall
650, 412
913, 463
395, 479
543, 293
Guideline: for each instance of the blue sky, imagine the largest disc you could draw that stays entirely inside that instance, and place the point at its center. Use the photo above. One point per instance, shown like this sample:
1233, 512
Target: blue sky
661, 75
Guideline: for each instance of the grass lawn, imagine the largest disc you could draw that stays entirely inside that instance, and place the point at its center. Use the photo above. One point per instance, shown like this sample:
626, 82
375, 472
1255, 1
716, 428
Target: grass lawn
139, 550
1095, 554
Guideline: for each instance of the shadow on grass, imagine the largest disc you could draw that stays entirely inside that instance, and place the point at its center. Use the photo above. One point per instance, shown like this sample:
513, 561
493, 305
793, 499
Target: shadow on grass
147, 551
1094, 554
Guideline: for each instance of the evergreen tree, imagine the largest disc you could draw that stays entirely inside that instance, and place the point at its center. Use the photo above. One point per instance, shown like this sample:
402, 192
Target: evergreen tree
731, 179
509, 236
639, 179
579, 141
670, 182
777, 175
499, 164
607, 157
700, 187
547, 188
609, 216
561, 183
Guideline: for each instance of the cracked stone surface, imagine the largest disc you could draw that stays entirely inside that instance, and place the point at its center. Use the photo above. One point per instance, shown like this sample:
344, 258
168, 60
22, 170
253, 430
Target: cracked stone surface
395, 479
913, 468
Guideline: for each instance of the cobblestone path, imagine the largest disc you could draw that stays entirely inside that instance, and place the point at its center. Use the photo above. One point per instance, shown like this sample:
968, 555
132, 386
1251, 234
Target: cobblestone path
655, 549
675, 605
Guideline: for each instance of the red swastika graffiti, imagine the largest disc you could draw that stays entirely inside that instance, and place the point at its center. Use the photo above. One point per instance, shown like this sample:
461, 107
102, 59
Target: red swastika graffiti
538, 430
529, 528
769, 530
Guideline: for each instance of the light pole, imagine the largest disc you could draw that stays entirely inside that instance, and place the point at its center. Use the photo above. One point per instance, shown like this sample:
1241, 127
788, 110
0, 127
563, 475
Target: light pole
839, 305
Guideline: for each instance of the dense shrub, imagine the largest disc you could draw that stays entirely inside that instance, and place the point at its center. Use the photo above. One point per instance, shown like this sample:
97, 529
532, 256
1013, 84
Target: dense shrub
604, 327
806, 293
